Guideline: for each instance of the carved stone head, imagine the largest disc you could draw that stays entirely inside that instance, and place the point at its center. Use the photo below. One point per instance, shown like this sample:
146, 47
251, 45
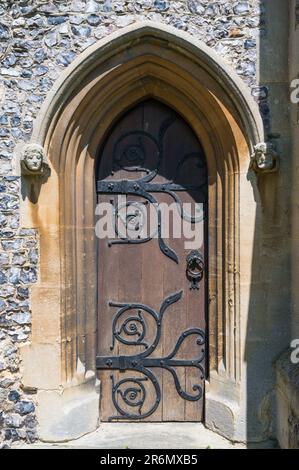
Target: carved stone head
264, 158
33, 160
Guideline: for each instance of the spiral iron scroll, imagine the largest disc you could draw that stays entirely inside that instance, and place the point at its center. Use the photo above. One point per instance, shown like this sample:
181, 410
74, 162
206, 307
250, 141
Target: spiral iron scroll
132, 331
132, 158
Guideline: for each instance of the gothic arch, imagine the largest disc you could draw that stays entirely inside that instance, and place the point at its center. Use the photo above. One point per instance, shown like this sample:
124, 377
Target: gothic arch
146, 60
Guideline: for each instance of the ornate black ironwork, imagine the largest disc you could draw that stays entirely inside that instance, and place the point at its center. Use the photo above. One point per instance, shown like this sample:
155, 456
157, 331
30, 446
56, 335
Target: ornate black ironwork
133, 158
134, 327
144, 187
195, 268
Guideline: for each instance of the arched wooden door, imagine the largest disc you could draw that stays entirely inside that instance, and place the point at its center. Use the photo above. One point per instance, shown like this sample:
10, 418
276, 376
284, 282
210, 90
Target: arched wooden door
152, 344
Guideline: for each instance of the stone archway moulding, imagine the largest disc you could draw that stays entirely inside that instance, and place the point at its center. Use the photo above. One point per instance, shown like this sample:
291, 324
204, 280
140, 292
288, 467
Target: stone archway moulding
141, 61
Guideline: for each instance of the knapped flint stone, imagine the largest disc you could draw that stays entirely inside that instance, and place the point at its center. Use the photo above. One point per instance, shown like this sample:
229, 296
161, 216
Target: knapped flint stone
13, 420
19, 337
3, 394
30, 422
5, 322
10, 72
3, 218
196, 7
49, 8
9, 350
31, 436
250, 43
21, 318
14, 221
91, 7
26, 73
27, 232
28, 275
18, 259
40, 55
4, 132
83, 31
77, 5
211, 10
4, 120
2, 305
63, 29
76, 19
6, 382
11, 435
13, 363
36, 22
9, 60
5, 445
107, 6
27, 10
23, 292
51, 39
25, 407
27, 85
11, 244
94, 20
4, 31
5, 167
29, 243
3, 278
14, 276
35, 98
55, 20
6, 233
5, 155
8, 202
11, 178
161, 5
15, 121
65, 58
33, 256
242, 8
41, 70
17, 133
7, 291
181, 25
26, 62
14, 396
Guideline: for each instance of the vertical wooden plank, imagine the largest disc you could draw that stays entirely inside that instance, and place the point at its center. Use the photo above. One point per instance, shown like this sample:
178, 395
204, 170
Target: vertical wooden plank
174, 276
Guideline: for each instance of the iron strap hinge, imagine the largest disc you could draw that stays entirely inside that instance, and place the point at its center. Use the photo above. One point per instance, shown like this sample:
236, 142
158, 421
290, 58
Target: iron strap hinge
142, 188
134, 362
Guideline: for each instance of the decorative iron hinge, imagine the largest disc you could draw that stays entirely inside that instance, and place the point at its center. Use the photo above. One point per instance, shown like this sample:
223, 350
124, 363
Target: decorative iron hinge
132, 331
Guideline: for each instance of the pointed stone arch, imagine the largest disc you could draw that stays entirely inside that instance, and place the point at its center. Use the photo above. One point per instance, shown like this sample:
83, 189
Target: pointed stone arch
138, 62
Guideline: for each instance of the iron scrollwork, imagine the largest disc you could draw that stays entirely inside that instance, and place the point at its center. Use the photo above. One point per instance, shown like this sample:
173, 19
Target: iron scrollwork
132, 158
195, 268
132, 330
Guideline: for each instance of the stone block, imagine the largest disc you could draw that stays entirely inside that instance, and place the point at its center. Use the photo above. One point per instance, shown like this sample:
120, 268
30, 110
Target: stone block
68, 413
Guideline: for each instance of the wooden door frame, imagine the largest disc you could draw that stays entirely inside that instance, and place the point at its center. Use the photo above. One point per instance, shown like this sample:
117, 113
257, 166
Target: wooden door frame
144, 60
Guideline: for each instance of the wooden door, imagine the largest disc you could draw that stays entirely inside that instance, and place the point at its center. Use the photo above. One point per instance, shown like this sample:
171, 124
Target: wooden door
151, 291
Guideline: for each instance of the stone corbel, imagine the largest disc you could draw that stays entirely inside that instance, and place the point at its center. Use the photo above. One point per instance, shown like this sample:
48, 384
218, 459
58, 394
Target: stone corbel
264, 158
34, 161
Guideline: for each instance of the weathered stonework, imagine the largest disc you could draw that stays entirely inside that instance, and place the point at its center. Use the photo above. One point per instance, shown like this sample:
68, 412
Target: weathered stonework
38, 41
